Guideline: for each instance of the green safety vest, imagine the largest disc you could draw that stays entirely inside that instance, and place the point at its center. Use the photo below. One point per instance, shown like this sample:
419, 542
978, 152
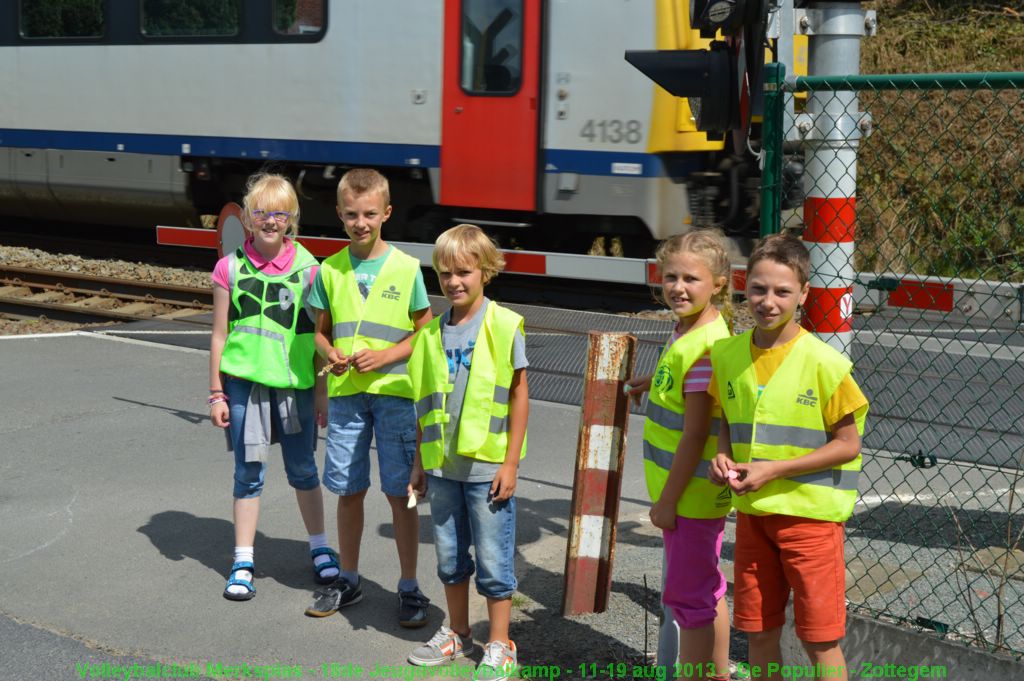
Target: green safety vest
786, 422
270, 332
483, 423
663, 428
378, 323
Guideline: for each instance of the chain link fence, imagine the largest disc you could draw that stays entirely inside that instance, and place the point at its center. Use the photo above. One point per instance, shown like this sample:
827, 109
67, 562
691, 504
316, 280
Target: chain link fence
937, 162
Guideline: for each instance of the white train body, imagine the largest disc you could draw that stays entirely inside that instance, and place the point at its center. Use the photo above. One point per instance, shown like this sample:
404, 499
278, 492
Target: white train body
125, 127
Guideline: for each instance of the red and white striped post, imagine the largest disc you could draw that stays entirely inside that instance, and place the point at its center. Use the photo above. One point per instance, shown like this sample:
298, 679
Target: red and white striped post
829, 221
598, 480
831, 128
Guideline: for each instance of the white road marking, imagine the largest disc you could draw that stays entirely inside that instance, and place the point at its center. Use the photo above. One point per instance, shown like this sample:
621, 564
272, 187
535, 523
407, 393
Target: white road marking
950, 346
64, 530
136, 341
113, 332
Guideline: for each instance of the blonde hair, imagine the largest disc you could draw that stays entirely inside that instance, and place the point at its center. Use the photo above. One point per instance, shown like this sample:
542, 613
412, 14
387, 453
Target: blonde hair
268, 189
359, 181
465, 245
709, 246
784, 249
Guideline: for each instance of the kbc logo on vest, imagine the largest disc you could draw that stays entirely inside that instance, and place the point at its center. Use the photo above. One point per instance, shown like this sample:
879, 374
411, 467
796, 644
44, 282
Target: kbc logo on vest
808, 399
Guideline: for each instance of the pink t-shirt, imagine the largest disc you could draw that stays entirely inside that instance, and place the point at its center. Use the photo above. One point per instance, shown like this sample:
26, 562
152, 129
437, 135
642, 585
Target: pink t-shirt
699, 374
279, 265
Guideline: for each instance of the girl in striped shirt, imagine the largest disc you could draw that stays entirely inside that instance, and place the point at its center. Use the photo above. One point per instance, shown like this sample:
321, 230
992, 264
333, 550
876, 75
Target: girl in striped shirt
680, 439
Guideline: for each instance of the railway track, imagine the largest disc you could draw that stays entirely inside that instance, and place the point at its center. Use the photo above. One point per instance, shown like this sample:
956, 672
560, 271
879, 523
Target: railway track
89, 299
137, 245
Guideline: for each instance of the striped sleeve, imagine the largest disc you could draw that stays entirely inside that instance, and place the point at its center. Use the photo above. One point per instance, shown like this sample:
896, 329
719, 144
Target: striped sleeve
699, 375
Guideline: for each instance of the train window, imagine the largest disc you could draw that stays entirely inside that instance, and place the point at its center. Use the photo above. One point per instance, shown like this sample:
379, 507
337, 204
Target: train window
492, 46
62, 18
298, 17
190, 18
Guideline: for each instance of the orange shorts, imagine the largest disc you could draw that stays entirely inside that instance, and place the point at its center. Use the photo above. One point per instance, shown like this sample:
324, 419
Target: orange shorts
778, 553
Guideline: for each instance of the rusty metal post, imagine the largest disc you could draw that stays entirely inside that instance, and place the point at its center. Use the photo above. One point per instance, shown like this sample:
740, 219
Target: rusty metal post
598, 481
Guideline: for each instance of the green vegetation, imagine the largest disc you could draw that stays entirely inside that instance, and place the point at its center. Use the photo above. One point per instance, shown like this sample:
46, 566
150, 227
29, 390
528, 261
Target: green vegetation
284, 14
62, 18
190, 17
941, 179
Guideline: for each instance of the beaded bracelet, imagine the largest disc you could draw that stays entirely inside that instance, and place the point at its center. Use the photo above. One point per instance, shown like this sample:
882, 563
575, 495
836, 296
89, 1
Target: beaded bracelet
216, 399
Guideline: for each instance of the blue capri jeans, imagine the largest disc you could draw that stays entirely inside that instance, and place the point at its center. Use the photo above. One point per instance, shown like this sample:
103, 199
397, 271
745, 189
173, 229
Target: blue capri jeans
298, 449
464, 515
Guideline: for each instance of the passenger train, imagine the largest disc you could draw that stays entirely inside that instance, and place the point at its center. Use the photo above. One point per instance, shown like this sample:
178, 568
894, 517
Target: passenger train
520, 115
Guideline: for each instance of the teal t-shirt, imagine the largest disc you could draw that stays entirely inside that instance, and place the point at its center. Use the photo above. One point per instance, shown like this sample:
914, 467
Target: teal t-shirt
366, 272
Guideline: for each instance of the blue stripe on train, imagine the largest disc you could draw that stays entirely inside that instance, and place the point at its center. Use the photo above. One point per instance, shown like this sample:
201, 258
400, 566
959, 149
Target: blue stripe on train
624, 164
316, 151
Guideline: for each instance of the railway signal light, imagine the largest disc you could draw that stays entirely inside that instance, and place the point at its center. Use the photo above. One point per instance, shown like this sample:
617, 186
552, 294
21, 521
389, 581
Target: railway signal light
718, 81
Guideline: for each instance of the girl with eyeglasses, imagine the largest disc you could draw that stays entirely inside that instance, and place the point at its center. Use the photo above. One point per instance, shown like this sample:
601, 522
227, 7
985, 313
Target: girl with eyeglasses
263, 382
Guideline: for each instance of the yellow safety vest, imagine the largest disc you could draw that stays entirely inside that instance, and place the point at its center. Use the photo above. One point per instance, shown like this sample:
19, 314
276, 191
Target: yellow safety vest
663, 428
483, 424
270, 332
787, 422
378, 323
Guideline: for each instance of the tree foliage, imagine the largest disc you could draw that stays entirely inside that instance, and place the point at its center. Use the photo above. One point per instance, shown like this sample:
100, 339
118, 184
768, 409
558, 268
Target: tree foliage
61, 18
284, 14
190, 17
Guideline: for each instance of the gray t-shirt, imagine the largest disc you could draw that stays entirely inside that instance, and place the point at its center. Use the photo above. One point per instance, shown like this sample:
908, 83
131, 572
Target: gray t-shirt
458, 342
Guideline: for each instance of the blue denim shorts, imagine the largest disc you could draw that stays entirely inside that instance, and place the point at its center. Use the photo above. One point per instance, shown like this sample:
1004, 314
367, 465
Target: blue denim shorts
464, 515
298, 449
351, 422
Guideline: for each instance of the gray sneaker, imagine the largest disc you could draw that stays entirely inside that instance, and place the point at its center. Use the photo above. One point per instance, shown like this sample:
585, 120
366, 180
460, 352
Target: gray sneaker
499, 662
444, 646
337, 594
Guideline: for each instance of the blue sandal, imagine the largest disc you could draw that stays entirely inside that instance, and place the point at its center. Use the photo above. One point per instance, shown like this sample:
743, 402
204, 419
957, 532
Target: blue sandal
331, 562
234, 581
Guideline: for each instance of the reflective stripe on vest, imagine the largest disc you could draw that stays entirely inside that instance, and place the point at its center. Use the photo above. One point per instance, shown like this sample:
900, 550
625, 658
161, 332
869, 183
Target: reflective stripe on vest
786, 421
270, 332
378, 323
663, 427
436, 401
483, 423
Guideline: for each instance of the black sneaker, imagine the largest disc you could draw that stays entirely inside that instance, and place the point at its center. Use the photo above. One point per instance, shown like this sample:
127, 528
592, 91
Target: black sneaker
412, 608
333, 597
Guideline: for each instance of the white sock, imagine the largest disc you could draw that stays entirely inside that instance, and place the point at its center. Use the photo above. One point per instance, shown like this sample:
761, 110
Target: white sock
319, 541
242, 553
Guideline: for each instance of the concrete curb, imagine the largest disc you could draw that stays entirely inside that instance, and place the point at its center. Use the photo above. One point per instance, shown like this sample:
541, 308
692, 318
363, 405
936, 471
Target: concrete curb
875, 649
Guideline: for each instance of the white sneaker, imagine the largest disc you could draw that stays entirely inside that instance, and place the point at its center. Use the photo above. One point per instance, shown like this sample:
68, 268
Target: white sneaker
444, 646
498, 663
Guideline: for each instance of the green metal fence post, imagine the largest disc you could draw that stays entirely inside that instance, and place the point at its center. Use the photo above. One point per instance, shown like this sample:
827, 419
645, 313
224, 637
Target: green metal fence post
772, 134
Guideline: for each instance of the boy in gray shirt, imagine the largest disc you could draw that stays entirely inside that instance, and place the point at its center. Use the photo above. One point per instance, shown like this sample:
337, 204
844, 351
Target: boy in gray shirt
468, 369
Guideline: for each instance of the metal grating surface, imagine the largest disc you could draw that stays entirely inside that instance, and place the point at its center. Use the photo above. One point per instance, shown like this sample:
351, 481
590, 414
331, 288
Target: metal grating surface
557, 360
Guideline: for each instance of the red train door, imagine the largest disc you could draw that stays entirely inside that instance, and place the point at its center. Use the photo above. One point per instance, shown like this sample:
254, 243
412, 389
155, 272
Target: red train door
489, 119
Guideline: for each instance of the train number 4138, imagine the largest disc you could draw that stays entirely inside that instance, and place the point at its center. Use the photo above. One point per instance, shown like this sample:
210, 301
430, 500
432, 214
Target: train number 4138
613, 131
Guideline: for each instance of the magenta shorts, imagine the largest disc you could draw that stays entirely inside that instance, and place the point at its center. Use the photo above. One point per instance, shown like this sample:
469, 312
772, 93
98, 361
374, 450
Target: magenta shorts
694, 583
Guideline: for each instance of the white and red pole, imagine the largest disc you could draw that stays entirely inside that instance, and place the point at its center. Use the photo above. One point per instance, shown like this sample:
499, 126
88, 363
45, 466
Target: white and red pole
598, 479
831, 130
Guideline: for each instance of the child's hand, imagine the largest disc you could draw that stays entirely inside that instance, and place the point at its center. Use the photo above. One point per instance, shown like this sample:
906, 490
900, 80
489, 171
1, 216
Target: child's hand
320, 406
219, 414
368, 360
417, 482
504, 484
720, 467
337, 362
750, 477
636, 387
663, 515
